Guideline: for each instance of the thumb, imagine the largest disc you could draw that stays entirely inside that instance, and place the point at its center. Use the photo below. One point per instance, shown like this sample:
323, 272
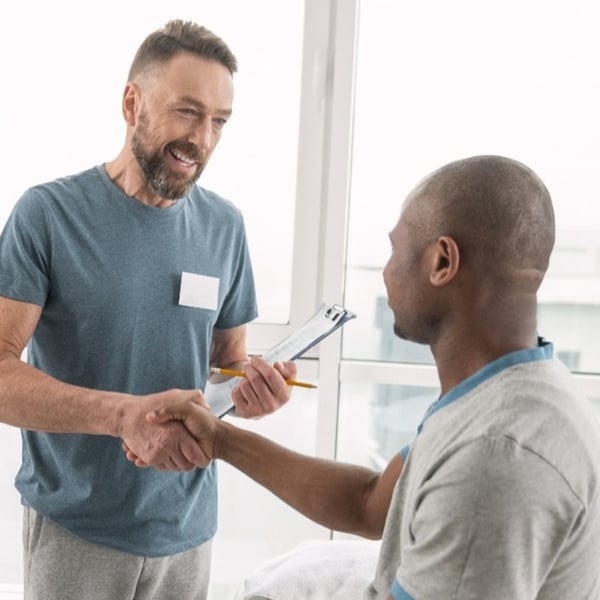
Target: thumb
163, 415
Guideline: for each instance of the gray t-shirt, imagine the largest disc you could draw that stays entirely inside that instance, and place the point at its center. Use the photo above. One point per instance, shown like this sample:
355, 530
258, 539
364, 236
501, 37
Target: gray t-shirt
109, 272
500, 493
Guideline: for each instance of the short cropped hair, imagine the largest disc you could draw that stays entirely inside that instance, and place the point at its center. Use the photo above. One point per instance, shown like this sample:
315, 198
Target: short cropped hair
497, 209
179, 36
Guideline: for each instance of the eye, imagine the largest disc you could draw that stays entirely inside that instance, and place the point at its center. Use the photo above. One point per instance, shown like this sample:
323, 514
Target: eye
188, 112
219, 123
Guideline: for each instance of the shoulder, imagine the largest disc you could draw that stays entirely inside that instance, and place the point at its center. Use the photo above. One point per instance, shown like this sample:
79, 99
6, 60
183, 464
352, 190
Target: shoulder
61, 189
207, 200
531, 416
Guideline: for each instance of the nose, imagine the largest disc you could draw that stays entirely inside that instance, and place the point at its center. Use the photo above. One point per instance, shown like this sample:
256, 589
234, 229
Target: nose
203, 134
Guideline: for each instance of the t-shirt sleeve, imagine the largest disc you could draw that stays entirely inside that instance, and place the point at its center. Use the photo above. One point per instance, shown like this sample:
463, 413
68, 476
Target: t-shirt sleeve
488, 523
25, 251
239, 306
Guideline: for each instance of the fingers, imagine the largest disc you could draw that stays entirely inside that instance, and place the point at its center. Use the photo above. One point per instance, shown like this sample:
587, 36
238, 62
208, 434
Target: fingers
264, 388
157, 432
194, 457
160, 447
177, 461
163, 415
194, 453
178, 411
287, 369
132, 456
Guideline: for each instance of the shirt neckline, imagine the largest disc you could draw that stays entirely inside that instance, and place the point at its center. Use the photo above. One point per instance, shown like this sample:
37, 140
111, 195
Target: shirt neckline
132, 204
543, 351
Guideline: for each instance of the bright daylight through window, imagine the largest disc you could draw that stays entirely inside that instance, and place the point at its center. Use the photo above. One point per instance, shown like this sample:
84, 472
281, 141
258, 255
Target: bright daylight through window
510, 78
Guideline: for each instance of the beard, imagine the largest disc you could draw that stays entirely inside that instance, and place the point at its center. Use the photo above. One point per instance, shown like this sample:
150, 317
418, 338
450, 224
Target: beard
169, 185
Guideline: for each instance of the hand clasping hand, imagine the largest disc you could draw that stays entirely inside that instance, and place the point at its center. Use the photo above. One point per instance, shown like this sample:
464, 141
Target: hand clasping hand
166, 445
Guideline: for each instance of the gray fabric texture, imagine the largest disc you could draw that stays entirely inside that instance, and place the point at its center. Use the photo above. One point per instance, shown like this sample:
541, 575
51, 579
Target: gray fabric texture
500, 496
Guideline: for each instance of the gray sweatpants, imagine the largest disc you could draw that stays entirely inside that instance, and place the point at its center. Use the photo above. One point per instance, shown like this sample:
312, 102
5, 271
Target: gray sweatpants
60, 566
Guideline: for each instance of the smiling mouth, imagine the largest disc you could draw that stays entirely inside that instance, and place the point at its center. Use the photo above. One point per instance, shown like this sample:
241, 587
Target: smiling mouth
183, 158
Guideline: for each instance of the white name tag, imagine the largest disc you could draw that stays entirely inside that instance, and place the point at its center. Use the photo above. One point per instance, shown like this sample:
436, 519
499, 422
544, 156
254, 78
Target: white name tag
199, 291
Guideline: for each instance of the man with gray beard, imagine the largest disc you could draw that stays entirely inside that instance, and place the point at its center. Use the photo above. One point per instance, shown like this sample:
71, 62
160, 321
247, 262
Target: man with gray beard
126, 283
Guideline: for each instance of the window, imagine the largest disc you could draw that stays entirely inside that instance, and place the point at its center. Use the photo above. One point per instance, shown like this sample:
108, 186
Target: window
437, 81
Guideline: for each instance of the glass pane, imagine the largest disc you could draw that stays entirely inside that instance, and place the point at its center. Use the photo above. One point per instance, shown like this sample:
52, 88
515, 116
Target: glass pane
376, 421
569, 308
64, 108
371, 336
437, 81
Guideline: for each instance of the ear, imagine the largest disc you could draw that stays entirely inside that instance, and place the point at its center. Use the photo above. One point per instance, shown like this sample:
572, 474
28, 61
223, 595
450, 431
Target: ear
445, 261
131, 103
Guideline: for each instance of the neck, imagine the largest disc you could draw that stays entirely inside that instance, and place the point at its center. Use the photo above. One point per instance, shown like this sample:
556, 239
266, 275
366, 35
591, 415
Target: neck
467, 346
126, 174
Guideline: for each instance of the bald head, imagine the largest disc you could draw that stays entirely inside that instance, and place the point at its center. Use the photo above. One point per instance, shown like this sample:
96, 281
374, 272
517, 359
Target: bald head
497, 210
469, 253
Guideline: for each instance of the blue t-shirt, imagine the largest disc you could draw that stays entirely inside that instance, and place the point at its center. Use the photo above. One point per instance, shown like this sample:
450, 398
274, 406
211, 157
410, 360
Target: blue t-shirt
107, 271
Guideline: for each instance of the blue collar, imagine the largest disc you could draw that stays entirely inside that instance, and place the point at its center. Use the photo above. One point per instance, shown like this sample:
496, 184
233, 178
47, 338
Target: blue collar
544, 351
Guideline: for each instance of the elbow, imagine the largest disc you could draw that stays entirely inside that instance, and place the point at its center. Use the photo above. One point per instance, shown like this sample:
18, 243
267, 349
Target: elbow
374, 532
370, 528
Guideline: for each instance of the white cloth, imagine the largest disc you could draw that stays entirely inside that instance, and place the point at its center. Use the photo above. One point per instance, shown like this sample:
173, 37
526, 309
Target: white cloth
315, 570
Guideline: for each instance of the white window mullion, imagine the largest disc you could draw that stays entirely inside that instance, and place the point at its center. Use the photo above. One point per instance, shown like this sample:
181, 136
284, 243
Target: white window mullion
389, 373
312, 125
336, 185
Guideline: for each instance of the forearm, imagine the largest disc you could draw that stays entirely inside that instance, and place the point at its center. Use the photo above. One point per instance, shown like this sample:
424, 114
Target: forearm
31, 399
332, 494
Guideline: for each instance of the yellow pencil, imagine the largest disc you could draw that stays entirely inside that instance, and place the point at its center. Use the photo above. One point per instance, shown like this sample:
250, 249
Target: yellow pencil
235, 373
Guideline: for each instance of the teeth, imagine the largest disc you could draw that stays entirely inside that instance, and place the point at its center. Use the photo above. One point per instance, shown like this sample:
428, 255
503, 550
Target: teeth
182, 157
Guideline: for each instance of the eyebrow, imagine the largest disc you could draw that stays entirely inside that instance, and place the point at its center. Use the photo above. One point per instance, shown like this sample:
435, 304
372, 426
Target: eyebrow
224, 112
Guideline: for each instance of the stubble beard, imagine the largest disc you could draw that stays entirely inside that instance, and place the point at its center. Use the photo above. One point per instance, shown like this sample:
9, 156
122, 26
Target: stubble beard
164, 182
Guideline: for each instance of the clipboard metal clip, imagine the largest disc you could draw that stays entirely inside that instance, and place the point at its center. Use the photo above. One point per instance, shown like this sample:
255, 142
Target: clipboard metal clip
334, 312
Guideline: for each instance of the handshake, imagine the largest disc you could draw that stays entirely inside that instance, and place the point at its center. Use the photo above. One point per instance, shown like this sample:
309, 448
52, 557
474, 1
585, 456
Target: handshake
175, 430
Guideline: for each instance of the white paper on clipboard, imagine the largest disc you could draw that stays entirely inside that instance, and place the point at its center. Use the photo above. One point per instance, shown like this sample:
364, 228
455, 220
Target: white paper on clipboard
324, 322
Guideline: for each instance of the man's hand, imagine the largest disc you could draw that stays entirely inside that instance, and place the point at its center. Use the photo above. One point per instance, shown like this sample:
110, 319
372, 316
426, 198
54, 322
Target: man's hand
198, 420
166, 445
264, 388
175, 430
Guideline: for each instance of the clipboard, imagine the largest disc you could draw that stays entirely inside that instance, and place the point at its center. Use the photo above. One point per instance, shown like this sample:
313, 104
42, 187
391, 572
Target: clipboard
327, 319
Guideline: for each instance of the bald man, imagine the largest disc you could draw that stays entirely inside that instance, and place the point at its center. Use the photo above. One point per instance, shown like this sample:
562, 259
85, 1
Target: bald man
498, 495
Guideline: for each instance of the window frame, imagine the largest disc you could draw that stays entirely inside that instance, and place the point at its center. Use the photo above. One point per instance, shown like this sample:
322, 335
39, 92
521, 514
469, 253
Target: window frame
331, 27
